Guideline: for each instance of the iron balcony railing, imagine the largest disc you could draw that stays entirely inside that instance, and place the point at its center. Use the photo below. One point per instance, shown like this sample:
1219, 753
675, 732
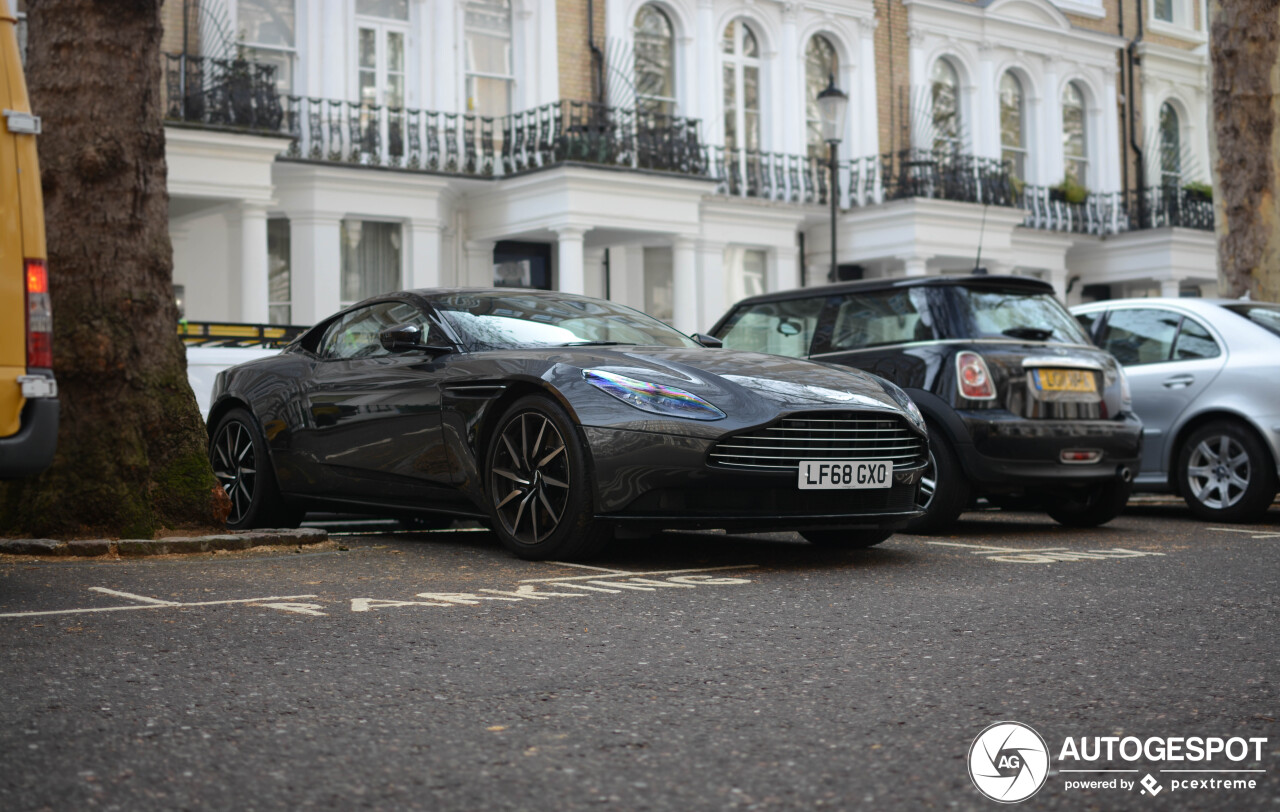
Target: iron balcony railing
586, 132
1102, 214
233, 93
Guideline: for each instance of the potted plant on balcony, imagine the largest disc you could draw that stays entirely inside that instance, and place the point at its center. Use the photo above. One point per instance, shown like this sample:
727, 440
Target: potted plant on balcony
1069, 191
1198, 192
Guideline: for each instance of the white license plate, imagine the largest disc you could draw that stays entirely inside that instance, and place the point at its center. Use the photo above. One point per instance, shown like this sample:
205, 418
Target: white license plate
831, 474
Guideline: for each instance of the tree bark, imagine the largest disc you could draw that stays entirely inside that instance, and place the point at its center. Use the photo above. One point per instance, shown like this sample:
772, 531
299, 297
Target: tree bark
1244, 47
131, 456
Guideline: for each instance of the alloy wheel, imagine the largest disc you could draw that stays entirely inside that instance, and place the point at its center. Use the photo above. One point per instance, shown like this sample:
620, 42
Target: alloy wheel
530, 477
928, 483
1218, 472
235, 465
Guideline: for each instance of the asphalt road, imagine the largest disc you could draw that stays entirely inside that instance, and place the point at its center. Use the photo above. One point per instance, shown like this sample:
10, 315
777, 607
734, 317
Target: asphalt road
433, 671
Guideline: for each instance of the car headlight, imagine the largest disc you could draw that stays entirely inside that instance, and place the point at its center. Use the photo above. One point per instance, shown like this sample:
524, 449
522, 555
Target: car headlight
904, 400
652, 397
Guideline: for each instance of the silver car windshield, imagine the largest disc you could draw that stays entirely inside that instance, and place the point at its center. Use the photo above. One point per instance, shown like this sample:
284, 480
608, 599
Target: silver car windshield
527, 319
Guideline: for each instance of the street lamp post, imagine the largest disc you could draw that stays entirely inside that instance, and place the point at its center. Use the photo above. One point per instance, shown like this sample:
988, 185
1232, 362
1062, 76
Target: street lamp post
832, 104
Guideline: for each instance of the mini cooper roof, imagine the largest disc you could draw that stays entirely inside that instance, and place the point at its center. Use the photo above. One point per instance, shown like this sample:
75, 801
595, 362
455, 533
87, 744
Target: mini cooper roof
1027, 283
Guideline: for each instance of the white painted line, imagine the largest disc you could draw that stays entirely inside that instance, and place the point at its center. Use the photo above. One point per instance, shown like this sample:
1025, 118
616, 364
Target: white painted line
153, 606
990, 549
621, 574
589, 567
1098, 771
1213, 771
1257, 534
129, 596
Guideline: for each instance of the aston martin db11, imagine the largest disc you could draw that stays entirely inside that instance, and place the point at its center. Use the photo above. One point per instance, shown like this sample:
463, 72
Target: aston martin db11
556, 419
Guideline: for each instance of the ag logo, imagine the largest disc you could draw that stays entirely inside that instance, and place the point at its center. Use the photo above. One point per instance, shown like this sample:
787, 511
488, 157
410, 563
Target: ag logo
1008, 762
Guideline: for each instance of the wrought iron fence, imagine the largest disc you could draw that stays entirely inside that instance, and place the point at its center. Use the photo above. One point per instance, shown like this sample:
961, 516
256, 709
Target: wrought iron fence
768, 175
586, 132
1097, 214
233, 93
1165, 206
942, 175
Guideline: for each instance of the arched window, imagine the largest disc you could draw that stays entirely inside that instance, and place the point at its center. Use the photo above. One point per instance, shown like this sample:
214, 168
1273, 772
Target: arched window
1013, 137
820, 64
945, 104
655, 62
490, 70
1075, 145
741, 60
1170, 146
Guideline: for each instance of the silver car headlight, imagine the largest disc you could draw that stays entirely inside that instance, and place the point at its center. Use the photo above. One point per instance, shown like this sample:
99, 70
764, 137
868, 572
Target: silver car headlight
652, 397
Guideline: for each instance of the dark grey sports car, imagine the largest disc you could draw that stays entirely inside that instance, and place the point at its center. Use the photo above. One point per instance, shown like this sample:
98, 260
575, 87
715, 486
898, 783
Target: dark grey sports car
555, 419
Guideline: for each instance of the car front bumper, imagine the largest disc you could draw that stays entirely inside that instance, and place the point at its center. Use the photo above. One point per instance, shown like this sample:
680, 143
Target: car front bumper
1008, 451
663, 479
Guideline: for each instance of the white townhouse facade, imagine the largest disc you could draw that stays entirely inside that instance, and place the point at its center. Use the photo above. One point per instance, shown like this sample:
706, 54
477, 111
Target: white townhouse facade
667, 154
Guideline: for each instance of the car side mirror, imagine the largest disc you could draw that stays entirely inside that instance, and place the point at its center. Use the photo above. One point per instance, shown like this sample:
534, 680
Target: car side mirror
710, 342
406, 338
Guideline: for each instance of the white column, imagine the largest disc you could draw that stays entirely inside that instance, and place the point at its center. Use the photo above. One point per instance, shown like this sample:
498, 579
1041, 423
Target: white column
1170, 288
1058, 278
684, 285
333, 62
712, 282
626, 275
1105, 147
548, 56
915, 265
479, 264
985, 125
439, 81
424, 255
569, 260
784, 268
864, 111
316, 265
253, 263
791, 85
593, 270
1053, 162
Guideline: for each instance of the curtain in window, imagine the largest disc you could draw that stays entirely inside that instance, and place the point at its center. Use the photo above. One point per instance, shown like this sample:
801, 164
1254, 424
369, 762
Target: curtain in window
279, 260
820, 65
370, 259
1075, 146
741, 87
655, 62
490, 71
1170, 146
945, 104
1012, 134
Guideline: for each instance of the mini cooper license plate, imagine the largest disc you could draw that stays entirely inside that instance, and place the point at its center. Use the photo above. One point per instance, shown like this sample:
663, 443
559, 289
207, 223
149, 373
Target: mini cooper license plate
1065, 380
848, 474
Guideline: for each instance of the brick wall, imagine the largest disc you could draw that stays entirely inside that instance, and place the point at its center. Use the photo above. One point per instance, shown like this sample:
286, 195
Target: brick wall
893, 80
171, 19
573, 50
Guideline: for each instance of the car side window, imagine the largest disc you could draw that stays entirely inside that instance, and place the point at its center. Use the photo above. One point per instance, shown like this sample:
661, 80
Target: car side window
1194, 342
879, 318
779, 328
1088, 321
1140, 335
356, 335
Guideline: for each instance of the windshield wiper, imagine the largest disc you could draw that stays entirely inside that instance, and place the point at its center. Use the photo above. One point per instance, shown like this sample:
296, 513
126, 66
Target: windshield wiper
597, 344
1029, 333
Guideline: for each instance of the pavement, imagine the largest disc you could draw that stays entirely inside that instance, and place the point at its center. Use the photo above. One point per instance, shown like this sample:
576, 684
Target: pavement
689, 671
132, 548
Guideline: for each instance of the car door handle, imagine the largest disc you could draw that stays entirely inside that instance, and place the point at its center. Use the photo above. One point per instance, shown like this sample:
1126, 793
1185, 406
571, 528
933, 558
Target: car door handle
1179, 381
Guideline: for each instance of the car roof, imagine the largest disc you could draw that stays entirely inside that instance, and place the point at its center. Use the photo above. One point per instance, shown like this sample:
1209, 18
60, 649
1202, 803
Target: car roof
1030, 284
1191, 303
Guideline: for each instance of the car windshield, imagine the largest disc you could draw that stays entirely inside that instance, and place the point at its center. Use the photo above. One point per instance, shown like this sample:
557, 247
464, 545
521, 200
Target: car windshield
1013, 313
523, 319
1265, 316
778, 328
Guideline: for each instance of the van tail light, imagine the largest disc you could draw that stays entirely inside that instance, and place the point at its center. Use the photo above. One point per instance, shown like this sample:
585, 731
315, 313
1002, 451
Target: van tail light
39, 316
973, 379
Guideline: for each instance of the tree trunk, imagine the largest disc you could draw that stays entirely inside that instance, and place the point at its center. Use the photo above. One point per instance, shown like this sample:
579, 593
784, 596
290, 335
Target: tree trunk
1245, 58
131, 456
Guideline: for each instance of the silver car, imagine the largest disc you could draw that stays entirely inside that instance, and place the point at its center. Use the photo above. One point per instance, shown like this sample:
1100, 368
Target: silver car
1205, 376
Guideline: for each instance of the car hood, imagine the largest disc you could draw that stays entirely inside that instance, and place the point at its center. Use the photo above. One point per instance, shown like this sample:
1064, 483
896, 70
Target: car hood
786, 383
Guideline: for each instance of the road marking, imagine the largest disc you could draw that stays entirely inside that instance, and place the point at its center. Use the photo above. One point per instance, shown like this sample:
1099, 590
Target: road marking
312, 609
609, 570
1257, 534
132, 597
166, 605
1043, 555
624, 574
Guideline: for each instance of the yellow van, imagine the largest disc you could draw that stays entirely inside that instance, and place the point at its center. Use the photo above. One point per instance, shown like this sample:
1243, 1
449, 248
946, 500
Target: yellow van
28, 391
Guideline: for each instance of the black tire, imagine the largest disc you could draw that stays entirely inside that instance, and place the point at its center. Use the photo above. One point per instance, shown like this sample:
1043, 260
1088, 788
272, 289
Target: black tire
241, 462
1092, 506
845, 539
944, 491
1226, 474
538, 485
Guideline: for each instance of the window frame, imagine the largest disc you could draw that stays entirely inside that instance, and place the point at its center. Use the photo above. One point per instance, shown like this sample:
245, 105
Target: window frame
1081, 162
739, 62
246, 49
468, 74
664, 105
1018, 155
813, 119
956, 141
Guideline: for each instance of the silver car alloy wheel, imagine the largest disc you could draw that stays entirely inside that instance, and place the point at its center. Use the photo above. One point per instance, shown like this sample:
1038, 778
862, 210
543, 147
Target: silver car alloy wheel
1218, 472
530, 479
928, 483
235, 465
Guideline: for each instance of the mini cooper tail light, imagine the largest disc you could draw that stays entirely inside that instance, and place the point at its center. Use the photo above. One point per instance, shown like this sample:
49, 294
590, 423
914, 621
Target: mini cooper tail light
39, 316
973, 379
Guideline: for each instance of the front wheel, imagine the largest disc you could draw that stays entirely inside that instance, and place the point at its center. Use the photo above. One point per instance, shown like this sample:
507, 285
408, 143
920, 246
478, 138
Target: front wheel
944, 491
1226, 474
538, 485
242, 465
1092, 506
845, 539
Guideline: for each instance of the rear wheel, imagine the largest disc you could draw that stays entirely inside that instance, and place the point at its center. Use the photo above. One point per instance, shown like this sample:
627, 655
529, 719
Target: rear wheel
1092, 506
944, 492
845, 539
538, 487
1226, 474
242, 465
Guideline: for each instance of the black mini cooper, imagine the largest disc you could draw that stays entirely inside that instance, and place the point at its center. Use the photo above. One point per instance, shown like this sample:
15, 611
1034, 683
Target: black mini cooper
1022, 408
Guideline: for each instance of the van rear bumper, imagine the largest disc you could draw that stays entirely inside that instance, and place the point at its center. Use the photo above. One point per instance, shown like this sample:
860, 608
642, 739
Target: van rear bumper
30, 451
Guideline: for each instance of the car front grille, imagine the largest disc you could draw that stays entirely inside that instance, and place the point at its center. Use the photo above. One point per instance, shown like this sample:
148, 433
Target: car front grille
821, 436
